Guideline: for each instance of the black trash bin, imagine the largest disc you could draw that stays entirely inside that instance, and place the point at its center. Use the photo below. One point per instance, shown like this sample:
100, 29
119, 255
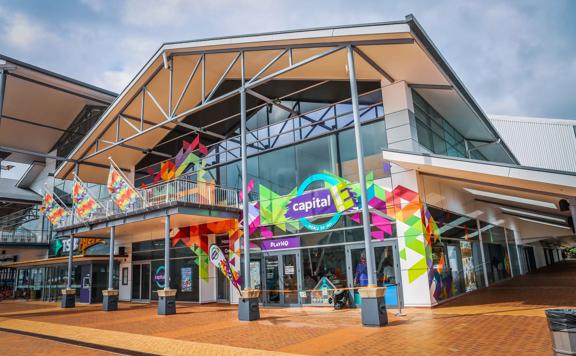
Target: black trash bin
562, 325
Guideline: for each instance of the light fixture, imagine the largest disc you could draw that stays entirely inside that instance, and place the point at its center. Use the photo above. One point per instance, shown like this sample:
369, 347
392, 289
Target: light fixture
538, 203
545, 223
532, 214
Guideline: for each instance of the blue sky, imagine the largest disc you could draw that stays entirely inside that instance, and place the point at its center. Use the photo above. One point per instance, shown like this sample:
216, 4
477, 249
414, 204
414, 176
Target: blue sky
516, 57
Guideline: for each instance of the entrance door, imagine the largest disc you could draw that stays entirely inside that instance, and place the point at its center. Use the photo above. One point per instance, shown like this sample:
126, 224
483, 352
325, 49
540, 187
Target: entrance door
387, 269
141, 283
222, 283
282, 279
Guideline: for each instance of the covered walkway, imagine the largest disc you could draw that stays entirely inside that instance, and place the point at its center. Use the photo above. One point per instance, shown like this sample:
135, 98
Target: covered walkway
503, 319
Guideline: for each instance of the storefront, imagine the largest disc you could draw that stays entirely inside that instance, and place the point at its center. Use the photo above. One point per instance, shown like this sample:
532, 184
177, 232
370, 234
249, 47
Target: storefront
44, 279
148, 272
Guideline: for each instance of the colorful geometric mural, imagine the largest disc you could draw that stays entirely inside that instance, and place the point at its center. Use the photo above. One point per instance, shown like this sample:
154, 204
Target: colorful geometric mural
195, 237
184, 160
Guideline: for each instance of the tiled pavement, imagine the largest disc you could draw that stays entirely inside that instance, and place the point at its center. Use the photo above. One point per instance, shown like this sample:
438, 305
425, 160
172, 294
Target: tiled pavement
507, 318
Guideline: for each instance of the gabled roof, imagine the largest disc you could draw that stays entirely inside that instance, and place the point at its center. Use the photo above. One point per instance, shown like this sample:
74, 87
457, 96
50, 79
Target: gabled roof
400, 49
38, 107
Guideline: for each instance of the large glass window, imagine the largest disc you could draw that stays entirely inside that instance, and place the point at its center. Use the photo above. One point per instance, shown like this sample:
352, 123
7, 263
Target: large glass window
456, 254
435, 133
324, 269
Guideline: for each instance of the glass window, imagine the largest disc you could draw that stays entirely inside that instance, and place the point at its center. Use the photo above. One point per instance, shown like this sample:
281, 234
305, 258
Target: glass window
324, 269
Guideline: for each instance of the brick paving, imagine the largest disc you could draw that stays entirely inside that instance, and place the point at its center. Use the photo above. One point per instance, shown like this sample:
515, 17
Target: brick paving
14, 344
507, 318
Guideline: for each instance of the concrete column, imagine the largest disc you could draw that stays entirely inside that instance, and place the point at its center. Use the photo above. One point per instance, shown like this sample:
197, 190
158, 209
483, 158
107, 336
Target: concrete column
400, 120
508, 250
413, 247
69, 294
110, 295
479, 227
166, 296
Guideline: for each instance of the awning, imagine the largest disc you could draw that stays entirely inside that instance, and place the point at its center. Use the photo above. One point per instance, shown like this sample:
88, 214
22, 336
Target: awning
38, 107
524, 199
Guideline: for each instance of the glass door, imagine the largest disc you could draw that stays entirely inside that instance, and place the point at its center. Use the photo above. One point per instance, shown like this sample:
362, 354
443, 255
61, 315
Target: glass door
282, 279
141, 283
386, 265
222, 283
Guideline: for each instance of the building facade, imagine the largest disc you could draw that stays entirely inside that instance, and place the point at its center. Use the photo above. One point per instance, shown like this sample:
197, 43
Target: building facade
252, 143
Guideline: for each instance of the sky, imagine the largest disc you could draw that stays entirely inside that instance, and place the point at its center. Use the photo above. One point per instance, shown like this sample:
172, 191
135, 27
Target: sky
516, 57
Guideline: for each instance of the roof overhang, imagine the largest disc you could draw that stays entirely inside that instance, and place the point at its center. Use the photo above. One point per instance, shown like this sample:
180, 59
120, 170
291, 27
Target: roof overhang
560, 184
522, 198
399, 49
38, 106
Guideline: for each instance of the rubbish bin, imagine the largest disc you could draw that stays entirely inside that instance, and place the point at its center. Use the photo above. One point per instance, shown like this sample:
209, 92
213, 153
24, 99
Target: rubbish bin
562, 325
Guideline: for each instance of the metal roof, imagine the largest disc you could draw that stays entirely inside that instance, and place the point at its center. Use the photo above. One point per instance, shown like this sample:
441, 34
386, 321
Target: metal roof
539, 142
400, 48
38, 106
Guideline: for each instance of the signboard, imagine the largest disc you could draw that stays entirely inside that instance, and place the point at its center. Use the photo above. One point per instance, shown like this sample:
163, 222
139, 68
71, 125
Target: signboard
322, 291
468, 265
219, 260
333, 201
159, 277
280, 244
288, 270
186, 279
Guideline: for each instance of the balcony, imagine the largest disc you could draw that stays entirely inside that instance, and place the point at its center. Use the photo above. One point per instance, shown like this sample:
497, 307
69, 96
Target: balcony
22, 237
179, 191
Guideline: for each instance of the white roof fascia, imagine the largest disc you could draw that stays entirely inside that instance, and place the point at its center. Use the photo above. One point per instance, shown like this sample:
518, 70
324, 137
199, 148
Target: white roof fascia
565, 182
296, 35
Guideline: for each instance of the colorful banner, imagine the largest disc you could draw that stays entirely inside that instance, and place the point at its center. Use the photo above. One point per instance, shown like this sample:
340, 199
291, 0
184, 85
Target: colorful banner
219, 260
52, 210
186, 279
121, 192
84, 204
468, 265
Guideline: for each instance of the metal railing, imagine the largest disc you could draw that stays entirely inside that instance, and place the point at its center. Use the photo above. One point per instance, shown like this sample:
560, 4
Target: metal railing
177, 190
19, 217
21, 235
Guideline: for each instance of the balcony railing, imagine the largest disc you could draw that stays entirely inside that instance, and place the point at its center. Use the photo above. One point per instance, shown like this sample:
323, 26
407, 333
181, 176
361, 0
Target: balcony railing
22, 236
177, 190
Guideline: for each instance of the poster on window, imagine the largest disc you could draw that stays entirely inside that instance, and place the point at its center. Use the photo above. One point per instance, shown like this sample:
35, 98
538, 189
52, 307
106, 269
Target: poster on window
468, 265
186, 279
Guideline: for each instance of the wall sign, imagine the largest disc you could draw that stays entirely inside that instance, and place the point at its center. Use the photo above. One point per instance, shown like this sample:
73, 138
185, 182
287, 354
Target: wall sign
280, 244
333, 200
160, 277
186, 279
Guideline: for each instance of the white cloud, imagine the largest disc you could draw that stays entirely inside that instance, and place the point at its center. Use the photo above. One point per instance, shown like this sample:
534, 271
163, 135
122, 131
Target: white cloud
20, 31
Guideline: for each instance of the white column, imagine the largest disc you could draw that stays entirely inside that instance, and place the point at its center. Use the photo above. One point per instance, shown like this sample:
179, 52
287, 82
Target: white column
400, 121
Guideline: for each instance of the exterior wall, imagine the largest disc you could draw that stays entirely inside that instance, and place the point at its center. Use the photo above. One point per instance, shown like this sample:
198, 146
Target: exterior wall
539, 142
400, 123
539, 255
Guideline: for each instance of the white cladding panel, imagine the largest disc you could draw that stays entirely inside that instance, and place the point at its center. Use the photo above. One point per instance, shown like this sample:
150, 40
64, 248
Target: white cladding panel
539, 142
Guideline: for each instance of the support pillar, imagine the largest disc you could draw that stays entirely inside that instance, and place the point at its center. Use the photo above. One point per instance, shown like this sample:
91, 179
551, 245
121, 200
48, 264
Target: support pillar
373, 303
110, 295
2, 90
484, 266
508, 250
248, 309
167, 296
69, 294
401, 131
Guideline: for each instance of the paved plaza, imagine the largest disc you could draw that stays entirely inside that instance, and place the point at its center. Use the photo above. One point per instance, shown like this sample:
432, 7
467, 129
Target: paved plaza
507, 318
